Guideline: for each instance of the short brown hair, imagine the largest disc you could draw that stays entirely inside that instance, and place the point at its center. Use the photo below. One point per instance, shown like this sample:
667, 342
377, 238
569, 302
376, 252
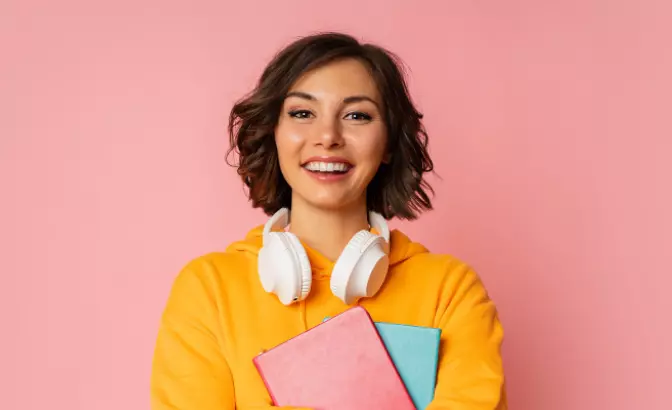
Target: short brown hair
397, 190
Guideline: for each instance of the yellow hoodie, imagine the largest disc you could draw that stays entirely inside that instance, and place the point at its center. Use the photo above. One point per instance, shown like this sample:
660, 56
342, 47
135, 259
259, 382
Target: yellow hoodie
218, 317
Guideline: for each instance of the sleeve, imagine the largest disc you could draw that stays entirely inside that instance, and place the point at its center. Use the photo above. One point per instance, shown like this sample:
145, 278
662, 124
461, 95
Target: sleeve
470, 374
189, 371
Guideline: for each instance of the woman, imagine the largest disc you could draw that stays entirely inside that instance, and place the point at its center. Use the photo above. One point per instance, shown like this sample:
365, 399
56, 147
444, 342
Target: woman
330, 141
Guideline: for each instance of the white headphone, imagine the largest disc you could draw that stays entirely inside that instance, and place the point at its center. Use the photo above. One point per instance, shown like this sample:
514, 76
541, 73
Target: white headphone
359, 272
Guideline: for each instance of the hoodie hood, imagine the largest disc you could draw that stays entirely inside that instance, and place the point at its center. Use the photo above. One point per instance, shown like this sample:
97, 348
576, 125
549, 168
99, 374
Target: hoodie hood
401, 248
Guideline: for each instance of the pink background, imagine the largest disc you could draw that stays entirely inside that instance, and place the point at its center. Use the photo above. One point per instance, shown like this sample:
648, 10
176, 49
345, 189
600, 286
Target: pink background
550, 127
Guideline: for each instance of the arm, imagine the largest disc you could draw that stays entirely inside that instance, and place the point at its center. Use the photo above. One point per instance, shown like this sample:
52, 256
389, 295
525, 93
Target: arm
189, 371
470, 374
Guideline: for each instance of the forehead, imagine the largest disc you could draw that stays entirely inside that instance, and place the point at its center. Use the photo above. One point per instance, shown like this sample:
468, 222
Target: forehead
338, 79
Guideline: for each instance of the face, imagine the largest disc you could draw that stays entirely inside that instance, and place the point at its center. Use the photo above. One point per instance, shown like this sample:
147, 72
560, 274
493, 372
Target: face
331, 136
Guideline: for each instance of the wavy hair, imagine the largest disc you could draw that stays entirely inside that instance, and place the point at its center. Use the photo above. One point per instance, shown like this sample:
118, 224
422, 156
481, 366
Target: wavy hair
398, 189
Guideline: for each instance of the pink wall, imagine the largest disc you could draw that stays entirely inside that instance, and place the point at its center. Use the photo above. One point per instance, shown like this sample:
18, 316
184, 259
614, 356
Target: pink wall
550, 127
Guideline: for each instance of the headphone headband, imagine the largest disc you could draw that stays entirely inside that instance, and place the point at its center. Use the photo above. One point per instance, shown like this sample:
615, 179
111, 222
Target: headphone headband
378, 222
280, 220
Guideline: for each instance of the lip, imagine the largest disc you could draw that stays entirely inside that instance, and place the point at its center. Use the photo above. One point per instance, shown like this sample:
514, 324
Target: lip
327, 177
335, 160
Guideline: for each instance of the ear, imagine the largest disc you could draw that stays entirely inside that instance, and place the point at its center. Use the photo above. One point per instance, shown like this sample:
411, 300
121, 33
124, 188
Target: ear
387, 158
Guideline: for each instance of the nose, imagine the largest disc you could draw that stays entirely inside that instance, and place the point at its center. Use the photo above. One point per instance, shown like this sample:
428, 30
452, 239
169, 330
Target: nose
329, 134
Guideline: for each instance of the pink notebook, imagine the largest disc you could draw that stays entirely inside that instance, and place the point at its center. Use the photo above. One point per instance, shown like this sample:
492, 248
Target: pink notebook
339, 364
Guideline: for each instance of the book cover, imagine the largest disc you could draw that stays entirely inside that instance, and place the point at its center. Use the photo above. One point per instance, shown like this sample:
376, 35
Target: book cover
415, 353
341, 363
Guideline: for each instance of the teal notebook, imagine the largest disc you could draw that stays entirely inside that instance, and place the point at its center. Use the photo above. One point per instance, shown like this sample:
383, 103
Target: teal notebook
415, 353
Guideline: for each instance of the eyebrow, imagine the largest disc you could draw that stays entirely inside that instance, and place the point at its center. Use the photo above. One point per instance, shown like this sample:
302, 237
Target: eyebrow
347, 100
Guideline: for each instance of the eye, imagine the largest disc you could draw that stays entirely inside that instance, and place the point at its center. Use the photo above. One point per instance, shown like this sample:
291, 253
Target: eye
300, 114
359, 116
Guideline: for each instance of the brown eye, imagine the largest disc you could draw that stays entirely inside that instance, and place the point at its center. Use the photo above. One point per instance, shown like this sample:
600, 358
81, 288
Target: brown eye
359, 116
301, 114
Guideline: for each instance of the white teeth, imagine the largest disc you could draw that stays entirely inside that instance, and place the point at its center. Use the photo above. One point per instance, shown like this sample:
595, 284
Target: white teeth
327, 166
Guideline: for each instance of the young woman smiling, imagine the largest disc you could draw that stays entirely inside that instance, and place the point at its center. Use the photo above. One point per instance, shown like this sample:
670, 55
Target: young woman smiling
331, 147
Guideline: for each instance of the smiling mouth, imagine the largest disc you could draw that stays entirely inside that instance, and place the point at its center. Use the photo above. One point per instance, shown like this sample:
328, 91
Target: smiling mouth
320, 167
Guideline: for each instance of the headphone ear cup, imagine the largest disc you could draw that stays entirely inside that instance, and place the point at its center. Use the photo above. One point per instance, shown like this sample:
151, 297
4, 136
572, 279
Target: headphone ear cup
361, 269
282, 267
305, 270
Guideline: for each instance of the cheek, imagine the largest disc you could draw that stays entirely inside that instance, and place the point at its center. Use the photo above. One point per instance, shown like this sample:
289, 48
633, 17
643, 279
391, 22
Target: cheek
288, 130
288, 141
370, 148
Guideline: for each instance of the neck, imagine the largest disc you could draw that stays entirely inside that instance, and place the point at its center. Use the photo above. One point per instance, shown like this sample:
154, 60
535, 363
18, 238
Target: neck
327, 231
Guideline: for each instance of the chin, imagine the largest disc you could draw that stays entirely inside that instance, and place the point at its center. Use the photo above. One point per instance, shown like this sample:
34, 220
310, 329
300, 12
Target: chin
328, 204
330, 201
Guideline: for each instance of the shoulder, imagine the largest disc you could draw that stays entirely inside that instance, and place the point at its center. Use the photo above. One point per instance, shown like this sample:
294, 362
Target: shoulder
444, 272
440, 271
215, 267
409, 254
225, 270
210, 281
236, 259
